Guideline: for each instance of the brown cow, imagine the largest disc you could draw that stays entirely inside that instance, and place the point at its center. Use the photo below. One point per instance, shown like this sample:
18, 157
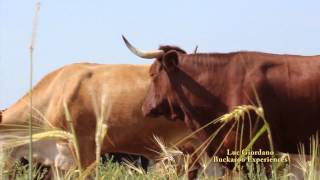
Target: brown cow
199, 88
82, 86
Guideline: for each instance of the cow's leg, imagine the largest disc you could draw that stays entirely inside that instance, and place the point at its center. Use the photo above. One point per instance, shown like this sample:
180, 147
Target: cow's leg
87, 152
193, 164
144, 163
85, 127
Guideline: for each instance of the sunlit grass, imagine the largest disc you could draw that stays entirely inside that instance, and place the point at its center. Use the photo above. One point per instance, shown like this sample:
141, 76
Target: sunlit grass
172, 163
171, 159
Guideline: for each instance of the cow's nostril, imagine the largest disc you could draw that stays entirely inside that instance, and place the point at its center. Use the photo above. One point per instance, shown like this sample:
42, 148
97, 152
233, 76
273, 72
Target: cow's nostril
147, 111
174, 116
144, 110
154, 113
150, 110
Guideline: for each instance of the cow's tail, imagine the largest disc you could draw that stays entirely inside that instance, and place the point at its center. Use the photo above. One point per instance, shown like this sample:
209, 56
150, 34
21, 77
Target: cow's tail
1, 111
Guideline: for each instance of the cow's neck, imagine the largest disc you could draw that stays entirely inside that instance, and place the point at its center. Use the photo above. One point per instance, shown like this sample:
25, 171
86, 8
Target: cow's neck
200, 83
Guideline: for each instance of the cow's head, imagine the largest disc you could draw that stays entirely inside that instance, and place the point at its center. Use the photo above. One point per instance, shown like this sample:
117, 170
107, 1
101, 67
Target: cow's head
160, 100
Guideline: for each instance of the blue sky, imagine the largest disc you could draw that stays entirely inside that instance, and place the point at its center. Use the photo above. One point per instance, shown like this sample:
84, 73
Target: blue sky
90, 31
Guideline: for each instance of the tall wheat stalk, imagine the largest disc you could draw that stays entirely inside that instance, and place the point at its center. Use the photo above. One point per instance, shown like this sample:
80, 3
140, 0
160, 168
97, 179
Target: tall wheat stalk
31, 49
101, 131
74, 138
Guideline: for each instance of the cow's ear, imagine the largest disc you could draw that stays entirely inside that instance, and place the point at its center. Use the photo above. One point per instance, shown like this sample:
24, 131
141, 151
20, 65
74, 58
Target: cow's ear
170, 60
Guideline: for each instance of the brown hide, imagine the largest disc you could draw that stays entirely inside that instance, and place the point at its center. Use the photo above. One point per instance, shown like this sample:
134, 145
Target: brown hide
199, 88
82, 86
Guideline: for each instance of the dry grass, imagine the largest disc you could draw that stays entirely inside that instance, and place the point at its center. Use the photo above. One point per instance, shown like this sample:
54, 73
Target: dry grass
171, 159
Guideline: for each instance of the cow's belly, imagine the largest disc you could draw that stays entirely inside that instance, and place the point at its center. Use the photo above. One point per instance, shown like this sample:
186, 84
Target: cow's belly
138, 138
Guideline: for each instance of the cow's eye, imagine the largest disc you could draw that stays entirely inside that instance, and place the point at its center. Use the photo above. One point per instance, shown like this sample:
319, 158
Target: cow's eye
156, 72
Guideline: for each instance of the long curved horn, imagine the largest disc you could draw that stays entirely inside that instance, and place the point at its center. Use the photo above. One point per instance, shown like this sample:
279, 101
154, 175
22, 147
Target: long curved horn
141, 53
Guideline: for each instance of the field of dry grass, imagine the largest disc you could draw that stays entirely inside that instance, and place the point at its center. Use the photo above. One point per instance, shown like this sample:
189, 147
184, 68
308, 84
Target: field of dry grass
304, 167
